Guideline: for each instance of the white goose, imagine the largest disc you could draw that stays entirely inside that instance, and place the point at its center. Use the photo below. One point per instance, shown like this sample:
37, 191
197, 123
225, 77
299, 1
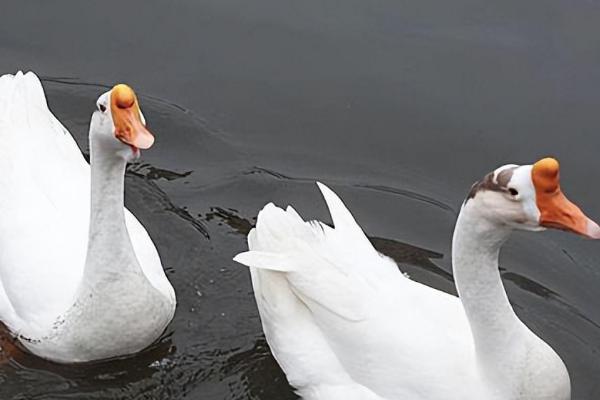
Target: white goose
344, 323
80, 279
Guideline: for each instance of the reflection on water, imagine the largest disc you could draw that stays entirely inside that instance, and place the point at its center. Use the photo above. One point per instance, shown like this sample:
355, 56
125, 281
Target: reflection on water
153, 173
152, 190
111, 375
261, 377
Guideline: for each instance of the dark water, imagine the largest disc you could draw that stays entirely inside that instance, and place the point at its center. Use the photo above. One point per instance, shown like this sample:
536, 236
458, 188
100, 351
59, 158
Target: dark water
399, 106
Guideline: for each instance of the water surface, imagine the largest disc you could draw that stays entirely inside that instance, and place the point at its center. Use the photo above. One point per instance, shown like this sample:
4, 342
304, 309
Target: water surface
399, 106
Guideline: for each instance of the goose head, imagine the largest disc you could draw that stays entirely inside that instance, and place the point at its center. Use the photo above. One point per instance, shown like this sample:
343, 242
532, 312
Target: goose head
528, 197
118, 124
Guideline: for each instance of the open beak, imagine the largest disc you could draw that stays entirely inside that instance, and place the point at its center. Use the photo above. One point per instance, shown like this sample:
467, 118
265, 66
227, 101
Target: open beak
556, 211
126, 115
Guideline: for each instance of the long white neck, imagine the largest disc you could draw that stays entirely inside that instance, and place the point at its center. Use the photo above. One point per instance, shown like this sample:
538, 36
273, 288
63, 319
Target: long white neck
114, 287
511, 359
110, 253
475, 250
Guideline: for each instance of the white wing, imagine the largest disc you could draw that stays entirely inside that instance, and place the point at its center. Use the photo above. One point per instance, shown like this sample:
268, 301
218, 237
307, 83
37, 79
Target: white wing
353, 306
297, 343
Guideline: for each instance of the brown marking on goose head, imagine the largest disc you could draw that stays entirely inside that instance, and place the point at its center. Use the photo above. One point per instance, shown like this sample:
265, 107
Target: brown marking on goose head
499, 184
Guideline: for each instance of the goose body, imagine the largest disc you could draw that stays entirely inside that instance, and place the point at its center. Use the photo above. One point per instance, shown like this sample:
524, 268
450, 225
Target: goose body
344, 323
65, 296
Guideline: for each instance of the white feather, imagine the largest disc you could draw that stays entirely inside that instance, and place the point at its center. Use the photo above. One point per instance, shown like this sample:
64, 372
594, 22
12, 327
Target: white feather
44, 214
345, 323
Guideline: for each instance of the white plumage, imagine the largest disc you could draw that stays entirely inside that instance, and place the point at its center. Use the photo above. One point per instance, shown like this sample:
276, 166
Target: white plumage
343, 321
44, 227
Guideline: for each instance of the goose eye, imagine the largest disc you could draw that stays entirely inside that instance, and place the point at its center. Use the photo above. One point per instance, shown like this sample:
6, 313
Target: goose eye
513, 191
102, 107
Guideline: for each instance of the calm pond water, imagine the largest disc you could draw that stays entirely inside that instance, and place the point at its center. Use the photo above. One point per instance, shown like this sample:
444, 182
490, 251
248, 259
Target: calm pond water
399, 106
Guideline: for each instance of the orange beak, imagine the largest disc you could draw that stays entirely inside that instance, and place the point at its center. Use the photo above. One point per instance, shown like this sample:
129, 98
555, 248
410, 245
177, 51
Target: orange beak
556, 211
125, 111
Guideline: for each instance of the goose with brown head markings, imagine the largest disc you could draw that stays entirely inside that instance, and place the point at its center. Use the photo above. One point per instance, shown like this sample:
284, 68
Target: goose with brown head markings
80, 278
344, 322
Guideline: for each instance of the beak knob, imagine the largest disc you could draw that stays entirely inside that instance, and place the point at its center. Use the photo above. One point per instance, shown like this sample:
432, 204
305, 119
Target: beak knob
545, 174
124, 96
127, 119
